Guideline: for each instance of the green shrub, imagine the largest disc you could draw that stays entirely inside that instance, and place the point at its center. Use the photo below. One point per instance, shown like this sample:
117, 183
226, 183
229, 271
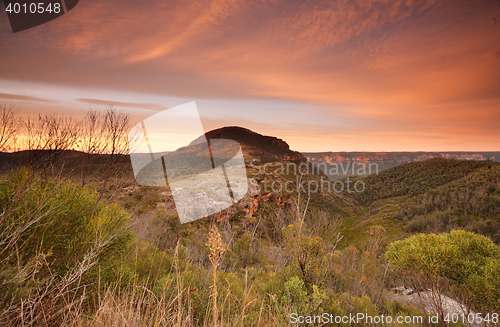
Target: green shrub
48, 231
469, 261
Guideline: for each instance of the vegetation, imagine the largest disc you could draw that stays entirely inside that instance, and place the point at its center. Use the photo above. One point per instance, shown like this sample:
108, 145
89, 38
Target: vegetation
415, 178
52, 248
82, 244
469, 263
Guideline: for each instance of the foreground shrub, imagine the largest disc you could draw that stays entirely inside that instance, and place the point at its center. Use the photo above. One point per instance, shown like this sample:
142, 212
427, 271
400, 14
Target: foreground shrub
468, 261
50, 243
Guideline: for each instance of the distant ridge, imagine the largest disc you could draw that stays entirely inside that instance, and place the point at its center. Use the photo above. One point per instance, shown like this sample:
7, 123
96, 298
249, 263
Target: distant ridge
400, 157
386, 160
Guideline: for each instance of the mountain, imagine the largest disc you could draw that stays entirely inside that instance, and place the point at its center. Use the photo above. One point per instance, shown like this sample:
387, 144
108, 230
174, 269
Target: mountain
255, 145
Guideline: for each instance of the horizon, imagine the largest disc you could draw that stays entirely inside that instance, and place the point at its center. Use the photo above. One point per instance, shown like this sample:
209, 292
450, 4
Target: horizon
329, 77
21, 148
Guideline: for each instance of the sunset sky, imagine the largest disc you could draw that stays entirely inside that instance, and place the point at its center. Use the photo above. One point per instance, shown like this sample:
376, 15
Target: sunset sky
367, 75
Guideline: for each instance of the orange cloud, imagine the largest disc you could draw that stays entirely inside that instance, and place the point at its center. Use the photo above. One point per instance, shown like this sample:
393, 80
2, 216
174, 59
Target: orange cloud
395, 73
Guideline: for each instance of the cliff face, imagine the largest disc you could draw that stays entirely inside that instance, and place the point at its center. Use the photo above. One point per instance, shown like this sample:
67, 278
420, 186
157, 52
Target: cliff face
395, 157
352, 161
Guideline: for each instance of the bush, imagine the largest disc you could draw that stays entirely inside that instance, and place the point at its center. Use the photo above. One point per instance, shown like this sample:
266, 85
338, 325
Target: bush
468, 261
49, 234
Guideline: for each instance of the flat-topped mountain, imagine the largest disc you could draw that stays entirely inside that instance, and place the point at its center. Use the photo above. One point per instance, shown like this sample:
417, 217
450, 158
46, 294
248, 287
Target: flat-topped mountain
255, 145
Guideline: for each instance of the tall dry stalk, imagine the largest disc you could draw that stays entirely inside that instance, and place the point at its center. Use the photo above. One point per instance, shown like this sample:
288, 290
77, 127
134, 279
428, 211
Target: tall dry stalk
179, 286
217, 249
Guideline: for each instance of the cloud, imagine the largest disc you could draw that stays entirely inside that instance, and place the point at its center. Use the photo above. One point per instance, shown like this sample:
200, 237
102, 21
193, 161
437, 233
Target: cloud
325, 52
149, 106
19, 97
404, 67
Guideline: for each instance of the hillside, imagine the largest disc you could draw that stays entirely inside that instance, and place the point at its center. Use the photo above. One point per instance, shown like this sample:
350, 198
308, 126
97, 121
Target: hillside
416, 178
437, 195
471, 202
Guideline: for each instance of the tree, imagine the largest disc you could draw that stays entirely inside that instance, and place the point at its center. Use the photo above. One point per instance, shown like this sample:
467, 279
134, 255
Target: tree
92, 140
48, 137
9, 128
114, 133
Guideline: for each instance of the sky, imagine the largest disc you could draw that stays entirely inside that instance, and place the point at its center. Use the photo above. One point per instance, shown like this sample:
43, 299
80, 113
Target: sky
324, 75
